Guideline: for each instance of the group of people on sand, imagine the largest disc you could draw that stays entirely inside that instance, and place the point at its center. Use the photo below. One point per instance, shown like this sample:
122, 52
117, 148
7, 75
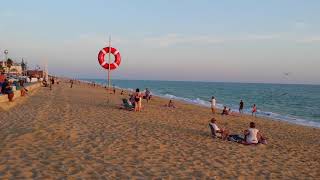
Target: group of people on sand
134, 102
7, 88
250, 136
135, 99
228, 111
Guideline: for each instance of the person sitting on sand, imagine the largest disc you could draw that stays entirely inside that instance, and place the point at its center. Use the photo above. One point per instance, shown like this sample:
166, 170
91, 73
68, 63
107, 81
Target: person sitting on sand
9, 91
253, 135
4, 86
121, 92
131, 99
225, 111
215, 129
171, 104
232, 113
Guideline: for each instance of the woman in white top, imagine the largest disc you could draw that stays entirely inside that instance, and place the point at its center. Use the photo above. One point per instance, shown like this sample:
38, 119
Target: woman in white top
213, 105
252, 135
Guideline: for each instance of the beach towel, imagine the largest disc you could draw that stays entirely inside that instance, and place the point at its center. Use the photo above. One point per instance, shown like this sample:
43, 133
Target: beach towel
235, 138
126, 105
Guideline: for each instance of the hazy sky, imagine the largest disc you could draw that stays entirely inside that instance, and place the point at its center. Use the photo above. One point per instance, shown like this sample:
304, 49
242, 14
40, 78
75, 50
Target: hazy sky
239, 41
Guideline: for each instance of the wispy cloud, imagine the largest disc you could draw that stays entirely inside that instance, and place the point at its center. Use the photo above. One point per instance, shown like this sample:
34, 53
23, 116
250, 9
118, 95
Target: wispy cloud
311, 39
173, 39
300, 25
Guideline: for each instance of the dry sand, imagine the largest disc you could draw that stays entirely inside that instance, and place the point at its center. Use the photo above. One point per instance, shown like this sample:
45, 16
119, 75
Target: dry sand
75, 133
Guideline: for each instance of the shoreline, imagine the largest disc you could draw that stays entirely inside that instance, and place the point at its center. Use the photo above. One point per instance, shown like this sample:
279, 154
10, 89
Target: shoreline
277, 117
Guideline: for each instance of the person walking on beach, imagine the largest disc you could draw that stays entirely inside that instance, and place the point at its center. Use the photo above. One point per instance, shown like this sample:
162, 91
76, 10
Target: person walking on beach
137, 99
254, 110
114, 89
71, 83
52, 80
241, 106
213, 105
147, 95
50, 84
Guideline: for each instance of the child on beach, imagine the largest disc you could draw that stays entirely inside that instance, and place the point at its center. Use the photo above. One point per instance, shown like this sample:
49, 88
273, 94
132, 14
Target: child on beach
254, 110
215, 129
170, 104
213, 105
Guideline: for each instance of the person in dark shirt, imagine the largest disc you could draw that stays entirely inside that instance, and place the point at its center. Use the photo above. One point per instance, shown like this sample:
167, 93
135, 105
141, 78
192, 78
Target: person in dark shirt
4, 86
241, 106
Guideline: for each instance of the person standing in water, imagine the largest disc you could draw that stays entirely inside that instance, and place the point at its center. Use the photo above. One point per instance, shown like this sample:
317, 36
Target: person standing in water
241, 106
254, 110
213, 105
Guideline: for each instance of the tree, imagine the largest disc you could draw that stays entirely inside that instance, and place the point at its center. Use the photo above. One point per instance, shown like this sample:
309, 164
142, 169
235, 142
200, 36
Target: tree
1, 68
9, 63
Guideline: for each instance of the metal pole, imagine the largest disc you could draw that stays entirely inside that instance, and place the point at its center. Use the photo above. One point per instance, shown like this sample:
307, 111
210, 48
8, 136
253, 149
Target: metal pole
6, 58
109, 80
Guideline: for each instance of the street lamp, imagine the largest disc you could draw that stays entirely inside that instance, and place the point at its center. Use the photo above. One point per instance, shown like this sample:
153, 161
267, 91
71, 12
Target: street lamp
6, 56
6, 53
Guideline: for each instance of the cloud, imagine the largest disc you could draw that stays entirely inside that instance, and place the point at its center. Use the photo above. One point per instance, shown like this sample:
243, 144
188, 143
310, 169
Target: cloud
300, 25
311, 39
173, 39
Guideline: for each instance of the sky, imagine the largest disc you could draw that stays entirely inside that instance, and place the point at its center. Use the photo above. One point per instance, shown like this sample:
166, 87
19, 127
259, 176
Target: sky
205, 40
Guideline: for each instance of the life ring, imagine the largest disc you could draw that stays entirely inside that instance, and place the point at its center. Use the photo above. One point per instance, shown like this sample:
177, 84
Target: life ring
104, 63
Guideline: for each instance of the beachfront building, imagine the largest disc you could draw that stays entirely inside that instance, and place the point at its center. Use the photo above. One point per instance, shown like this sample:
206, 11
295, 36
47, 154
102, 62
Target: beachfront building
14, 69
35, 73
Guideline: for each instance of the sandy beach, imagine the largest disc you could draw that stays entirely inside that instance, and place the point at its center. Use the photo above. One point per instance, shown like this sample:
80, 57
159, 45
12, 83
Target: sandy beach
76, 133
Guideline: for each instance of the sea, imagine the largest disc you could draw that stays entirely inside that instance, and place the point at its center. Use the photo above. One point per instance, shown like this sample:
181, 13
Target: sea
294, 103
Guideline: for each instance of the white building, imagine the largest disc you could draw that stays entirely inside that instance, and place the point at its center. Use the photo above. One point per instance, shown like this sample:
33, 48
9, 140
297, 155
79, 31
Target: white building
16, 68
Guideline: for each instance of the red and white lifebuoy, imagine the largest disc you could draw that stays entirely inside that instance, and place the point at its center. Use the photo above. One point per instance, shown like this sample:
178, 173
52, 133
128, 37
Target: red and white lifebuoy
104, 63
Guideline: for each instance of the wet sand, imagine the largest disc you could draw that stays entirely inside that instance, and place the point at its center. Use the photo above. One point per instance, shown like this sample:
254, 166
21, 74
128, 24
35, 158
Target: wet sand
79, 133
